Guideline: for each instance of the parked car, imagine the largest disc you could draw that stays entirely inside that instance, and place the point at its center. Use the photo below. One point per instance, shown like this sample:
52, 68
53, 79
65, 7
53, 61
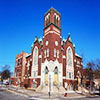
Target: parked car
5, 82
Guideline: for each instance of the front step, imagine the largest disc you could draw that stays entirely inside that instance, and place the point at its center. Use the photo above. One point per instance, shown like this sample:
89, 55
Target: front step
54, 89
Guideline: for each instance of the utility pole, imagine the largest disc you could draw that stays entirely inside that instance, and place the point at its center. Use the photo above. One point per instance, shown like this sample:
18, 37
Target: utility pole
49, 85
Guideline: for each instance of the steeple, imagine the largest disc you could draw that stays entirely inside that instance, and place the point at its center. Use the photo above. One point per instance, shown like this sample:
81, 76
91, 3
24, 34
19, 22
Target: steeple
52, 16
69, 38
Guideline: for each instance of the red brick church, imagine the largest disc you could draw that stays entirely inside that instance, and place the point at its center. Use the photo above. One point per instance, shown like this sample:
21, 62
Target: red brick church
52, 62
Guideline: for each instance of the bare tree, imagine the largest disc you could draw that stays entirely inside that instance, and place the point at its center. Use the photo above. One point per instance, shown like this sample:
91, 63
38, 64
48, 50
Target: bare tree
97, 69
90, 69
5, 73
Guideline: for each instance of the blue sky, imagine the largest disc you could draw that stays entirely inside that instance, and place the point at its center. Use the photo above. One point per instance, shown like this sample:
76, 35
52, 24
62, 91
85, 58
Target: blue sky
22, 20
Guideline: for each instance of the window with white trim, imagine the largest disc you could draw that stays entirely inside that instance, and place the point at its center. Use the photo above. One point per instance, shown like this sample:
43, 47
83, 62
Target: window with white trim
47, 52
56, 43
69, 57
35, 56
46, 43
78, 63
54, 52
35, 62
57, 53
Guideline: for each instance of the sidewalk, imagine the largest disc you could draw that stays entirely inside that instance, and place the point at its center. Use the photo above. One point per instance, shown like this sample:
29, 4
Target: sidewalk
31, 94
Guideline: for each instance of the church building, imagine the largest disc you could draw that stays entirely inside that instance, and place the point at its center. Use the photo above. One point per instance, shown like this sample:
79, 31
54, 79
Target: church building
53, 63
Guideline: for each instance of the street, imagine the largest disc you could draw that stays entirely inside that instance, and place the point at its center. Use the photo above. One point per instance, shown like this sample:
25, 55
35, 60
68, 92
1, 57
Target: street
6, 95
88, 98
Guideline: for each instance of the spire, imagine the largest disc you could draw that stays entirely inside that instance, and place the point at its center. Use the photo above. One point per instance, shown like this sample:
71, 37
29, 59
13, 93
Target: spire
52, 9
69, 38
36, 38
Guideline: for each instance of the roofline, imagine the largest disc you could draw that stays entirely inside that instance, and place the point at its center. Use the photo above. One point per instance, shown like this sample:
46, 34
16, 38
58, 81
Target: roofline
28, 56
54, 10
78, 55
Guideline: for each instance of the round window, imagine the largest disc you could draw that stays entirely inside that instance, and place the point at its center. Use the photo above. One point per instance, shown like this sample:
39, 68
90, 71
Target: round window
56, 43
46, 43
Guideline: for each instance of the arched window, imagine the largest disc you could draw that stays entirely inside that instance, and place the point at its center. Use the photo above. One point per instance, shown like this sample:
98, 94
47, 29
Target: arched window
55, 19
46, 75
46, 42
47, 52
54, 52
57, 53
46, 70
35, 62
69, 68
49, 19
56, 76
56, 71
56, 43
35, 56
69, 57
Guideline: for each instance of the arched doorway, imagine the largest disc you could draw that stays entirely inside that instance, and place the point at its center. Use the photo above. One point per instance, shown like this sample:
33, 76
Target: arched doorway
79, 78
55, 76
46, 75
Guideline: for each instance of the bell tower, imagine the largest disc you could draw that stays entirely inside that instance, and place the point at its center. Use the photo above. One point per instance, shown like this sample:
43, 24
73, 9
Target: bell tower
52, 34
52, 17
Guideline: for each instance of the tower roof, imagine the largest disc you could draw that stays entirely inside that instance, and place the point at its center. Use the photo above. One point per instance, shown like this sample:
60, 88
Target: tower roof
69, 38
52, 9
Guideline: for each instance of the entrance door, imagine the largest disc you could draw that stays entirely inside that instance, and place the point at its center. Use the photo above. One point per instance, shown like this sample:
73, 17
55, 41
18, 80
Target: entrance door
46, 75
55, 76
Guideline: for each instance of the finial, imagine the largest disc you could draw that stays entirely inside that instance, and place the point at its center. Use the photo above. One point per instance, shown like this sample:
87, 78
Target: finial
32, 45
68, 33
36, 38
64, 39
73, 45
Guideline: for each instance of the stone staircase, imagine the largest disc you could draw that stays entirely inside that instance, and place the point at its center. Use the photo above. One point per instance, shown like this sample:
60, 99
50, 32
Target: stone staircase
54, 89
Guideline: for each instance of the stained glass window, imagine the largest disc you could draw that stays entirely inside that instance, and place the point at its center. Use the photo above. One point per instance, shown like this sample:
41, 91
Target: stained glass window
35, 58
69, 61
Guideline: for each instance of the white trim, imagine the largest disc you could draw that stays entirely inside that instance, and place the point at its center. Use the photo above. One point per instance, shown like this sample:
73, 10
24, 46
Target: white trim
34, 67
51, 66
19, 58
47, 52
64, 77
67, 78
47, 29
64, 57
56, 29
69, 69
38, 76
52, 32
40, 56
74, 60
77, 55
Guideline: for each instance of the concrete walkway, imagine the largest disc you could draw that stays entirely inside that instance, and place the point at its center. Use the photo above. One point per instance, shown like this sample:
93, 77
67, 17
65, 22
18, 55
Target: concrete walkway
31, 94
